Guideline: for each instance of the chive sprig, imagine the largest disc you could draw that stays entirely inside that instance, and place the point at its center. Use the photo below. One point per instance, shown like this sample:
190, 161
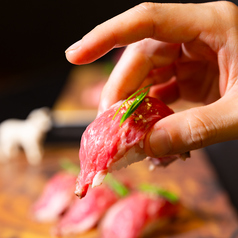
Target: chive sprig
134, 105
170, 196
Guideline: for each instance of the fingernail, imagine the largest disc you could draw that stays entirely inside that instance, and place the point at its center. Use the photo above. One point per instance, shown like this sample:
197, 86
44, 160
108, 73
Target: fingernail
160, 142
75, 46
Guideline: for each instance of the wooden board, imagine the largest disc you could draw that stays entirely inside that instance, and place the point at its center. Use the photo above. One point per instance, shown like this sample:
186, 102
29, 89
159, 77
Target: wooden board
207, 211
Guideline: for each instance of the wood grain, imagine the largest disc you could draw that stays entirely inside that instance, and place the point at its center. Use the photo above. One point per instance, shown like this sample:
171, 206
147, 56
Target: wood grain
206, 212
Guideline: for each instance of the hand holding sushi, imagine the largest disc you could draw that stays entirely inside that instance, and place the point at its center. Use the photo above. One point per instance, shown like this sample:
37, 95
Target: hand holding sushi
186, 51
115, 139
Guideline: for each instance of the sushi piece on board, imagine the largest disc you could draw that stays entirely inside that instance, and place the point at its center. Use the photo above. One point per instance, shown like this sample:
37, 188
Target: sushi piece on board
84, 214
139, 213
55, 198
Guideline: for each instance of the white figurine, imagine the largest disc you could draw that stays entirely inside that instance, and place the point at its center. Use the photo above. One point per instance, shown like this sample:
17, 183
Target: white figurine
27, 134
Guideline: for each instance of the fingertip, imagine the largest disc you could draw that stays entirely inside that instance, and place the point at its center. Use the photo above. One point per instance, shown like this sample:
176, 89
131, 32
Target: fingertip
103, 106
147, 148
70, 56
157, 142
73, 47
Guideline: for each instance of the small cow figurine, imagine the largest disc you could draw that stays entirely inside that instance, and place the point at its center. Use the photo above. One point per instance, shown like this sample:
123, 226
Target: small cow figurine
26, 134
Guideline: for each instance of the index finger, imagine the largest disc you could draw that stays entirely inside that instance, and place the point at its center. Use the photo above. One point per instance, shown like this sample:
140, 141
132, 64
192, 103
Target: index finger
174, 23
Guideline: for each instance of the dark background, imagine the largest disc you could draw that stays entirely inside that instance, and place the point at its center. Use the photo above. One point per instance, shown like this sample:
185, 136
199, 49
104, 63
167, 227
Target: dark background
33, 67
34, 36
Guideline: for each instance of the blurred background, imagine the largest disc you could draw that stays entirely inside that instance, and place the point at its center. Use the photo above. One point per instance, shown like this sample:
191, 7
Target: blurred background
34, 36
35, 73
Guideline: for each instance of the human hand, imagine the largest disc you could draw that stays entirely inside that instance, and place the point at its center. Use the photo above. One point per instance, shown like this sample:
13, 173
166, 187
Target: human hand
187, 51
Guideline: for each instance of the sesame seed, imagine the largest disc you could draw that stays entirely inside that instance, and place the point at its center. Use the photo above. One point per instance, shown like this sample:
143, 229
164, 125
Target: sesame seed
127, 105
129, 102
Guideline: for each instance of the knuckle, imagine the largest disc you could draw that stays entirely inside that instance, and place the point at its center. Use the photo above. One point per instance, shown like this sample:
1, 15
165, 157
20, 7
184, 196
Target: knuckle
202, 130
148, 11
226, 10
228, 5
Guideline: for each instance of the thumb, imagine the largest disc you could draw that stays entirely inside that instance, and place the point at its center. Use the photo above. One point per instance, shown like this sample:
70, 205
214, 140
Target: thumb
194, 128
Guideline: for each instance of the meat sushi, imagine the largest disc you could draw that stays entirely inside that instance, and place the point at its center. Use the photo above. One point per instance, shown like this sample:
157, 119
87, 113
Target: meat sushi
84, 214
56, 197
138, 214
108, 144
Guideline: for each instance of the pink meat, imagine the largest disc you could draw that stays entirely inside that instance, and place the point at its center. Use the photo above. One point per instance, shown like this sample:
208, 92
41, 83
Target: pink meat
106, 146
56, 197
85, 213
130, 216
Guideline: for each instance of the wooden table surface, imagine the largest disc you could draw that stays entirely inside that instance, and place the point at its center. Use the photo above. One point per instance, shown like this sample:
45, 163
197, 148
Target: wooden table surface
207, 211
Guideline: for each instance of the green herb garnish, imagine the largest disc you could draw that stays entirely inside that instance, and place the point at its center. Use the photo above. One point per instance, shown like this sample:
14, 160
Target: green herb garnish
134, 105
116, 186
171, 197
69, 166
